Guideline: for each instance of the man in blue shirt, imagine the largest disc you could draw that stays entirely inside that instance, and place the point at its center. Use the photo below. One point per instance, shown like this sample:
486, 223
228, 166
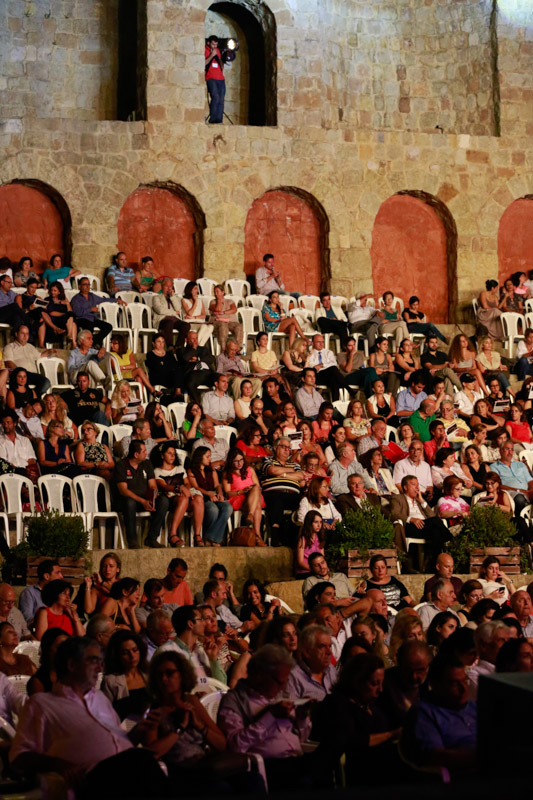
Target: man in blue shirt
119, 276
516, 478
30, 598
85, 307
409, 400
10, 312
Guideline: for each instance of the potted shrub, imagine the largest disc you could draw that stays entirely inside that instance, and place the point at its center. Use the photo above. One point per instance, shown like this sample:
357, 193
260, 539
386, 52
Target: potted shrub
487, 531
50, 535
357, 537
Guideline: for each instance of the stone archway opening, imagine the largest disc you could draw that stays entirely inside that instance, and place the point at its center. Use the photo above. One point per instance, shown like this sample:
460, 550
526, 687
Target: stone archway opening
515, 238
414, 252
251, 80
290, 223
164, 221
35, 221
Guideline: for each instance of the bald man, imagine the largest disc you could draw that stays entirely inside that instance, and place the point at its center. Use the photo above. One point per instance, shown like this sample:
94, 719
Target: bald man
443, 570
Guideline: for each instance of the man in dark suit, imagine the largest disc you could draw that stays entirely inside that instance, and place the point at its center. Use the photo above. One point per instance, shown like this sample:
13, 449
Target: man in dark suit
198, 365
356, 495
413, 518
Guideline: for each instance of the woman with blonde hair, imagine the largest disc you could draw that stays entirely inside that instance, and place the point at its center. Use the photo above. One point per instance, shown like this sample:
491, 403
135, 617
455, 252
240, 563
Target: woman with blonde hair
407, 628
56, 408
293, 360
128, 365
121, 411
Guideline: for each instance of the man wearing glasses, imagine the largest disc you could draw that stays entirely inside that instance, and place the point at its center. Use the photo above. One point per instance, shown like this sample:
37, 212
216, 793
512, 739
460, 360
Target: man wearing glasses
282, 484
85, 307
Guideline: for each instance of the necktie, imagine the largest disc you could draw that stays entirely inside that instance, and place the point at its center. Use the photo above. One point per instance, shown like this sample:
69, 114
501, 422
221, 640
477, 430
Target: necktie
320, 357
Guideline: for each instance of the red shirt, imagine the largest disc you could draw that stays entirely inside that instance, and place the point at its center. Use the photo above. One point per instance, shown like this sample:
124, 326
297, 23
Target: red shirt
214, 70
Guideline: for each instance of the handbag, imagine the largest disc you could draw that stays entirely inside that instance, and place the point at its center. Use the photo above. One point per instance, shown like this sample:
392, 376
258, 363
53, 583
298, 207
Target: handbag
242, 536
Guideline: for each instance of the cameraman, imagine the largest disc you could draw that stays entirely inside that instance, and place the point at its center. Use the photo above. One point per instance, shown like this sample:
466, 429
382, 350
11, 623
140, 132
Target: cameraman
216, 84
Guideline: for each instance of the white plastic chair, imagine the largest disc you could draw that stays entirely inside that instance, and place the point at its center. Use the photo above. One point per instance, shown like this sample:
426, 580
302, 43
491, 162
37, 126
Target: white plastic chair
180, 284
11, 489
94, 281
341, 406
211, 703
338, 302
475, 306
176, 412
225, 432
285, 607
527, 456
7, 729
251, 321
256, 301
391, 434
139, 318
206, 286
51, 488
19, 682
309, 302
112, 313
87, 489
238, 287
50, 368
510, 322
129, 297
209, 686
528, 319
31, 649
115, 433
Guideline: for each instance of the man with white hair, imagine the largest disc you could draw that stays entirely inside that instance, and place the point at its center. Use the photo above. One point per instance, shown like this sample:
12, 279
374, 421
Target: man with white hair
313, 676
523, 608
345, 465
442, 599
219, 447
325, 363
488, 638
88, 359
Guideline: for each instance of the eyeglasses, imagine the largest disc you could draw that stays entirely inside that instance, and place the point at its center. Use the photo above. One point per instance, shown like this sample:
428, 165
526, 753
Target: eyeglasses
284, 446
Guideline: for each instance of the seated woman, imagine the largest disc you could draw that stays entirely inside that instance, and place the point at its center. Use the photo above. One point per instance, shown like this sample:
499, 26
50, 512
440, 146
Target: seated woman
462, 357
24, 272
243, 490
288, 418
393, 322
478, 437
489, 363
417, 321
192, 419
406, 362
59, 316
255, 607
490, 309
128, 365
324, 424
163, 369
445, 466
451, 506
58, 272
124, 596
311, 539
12, 663
243, 404
92, 456
471, 593
263, 361
275, 320
98, 587
19, 393
395, 592
311, 467
406, 628
379, 477
56, 408
449, 419
223, 317
293, 360
217, 511
53, 452
483, 414
144, 276
518, 428
318, 499
381, 366
441, 626
122, 409
337, 437
160, 427
475, 467
125, 675
249, 443
524, 356
495, 583
194, 312
515, 655
309, 445
273, 397
406, 435
59, 611
511, 302
33, 306
494, 494
172, 481
45, 677
356, 423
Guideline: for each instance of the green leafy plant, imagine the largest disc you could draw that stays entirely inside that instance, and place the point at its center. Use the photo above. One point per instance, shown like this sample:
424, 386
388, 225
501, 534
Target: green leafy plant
485, 526
363, 530
55, 535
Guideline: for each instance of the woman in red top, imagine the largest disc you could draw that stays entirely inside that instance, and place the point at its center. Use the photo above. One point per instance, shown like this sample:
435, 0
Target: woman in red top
249, 443
518, 428
323, 425
243, 491
59, 611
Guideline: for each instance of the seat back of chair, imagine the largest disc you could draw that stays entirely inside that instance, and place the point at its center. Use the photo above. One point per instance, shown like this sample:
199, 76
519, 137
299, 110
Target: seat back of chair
52, 488
87, 491
11, 488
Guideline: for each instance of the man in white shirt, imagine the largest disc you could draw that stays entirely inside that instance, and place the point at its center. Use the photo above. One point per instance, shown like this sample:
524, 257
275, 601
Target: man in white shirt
442, 599
20, 353
268, 278
325, 363
308, 400
217, 405
415, 465
412, 518
488, 638
364, 319
189, 626
17, 450
469, 396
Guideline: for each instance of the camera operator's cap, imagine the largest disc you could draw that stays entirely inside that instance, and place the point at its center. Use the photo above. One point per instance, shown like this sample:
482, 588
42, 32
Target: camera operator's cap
467, 378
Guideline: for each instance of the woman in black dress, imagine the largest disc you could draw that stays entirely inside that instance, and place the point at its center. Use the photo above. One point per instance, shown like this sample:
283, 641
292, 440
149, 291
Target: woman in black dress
163, 369
19, 394
60, 314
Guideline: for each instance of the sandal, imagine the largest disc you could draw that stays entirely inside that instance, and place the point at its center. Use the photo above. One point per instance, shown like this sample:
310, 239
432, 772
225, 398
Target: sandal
176, 541
198, 541
259, 542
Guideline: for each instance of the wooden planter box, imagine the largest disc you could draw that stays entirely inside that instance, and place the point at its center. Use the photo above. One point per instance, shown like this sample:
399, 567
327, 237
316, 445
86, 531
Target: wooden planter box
355, 567
509, 558
73, 569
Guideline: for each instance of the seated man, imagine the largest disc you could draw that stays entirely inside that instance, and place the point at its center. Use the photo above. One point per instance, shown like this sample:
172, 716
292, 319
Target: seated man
523, 608
176, 588
403, 683
325, 364
376, 438
85, 307
320, 573
120, 277
10, 311
417, 321
8, 612
219, 447
17, 450
345, 465
332, 321
86, 358
231, 364
443, 571
154, 592
141, 433
84, 403
516, 478
436, 364
314, 675
489, 638
75, 731
215, 596
441, 730
30, 598
414, 519
409, 400
338, 619
415, 465
135, 490
365, 318
217, 405
356, 496
198, 365
166, 310
218, 572
189, 626
101, 628
442, 599
308, 400
20, 353
422, 418
158, 632
282, 483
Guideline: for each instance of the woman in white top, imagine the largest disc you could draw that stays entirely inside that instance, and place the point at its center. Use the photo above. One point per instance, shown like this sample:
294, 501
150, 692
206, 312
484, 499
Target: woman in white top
445, 465
194, 312
379, 477
120, 411
318, 500
495, 583
172, 481
242, 405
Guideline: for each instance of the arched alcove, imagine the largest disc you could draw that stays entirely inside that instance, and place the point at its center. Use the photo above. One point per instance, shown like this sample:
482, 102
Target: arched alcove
164, 221
251, 80
35, 221
293, 225
515, 238
414, 251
